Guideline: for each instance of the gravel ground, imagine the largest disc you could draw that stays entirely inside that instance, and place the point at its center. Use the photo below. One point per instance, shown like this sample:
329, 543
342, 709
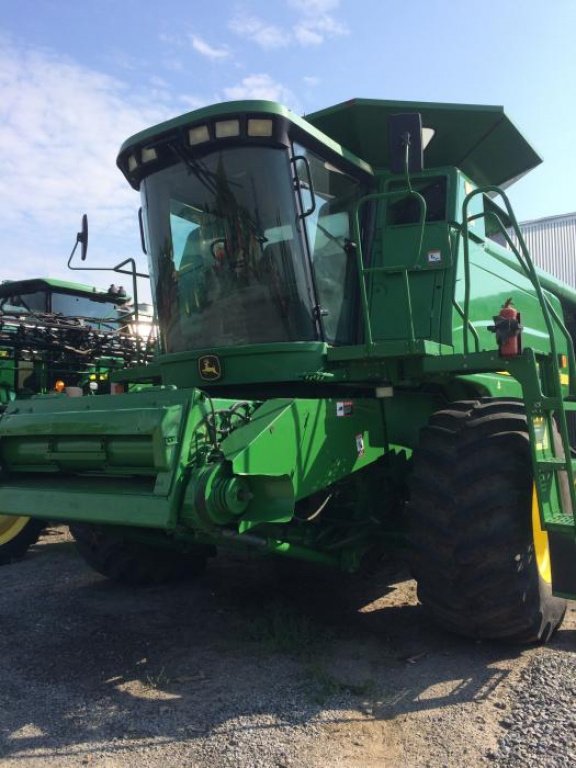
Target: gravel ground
263, 665
541, 727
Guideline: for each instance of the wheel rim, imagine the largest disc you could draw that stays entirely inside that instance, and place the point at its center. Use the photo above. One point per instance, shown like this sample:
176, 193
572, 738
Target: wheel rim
541, 545
10, 527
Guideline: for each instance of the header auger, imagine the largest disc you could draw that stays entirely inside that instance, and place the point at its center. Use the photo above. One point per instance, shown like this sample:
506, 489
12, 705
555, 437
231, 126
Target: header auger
329, 386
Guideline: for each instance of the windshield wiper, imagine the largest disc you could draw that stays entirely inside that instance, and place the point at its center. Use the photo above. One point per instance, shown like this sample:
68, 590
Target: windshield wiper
204, 176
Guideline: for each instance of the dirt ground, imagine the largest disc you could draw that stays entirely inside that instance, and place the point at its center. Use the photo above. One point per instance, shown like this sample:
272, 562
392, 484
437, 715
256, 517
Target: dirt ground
259, 663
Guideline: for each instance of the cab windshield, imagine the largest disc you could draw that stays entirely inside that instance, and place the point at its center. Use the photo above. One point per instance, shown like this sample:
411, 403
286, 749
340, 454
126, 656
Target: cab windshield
64, 305
100, 313
227, 254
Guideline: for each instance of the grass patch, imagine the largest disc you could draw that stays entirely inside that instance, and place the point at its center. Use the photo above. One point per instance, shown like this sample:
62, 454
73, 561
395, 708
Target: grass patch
156, 681
323, 685
280, 628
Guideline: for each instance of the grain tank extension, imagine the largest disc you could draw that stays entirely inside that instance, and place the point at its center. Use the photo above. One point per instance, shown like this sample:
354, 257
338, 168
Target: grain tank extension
351, 362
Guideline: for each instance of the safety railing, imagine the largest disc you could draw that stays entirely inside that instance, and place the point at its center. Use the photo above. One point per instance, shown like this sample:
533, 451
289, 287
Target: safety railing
522, 255
551, 401
402, 270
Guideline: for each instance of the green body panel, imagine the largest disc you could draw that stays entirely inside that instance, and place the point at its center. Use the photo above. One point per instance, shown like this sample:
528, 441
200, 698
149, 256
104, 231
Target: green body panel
379, 292
307, 441
250, 364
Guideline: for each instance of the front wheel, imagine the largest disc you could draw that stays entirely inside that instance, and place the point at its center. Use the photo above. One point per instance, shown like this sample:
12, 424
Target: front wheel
479, 555
129, 561
17, 534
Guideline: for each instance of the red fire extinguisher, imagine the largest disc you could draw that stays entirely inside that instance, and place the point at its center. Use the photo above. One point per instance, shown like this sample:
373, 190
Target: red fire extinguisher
508, 330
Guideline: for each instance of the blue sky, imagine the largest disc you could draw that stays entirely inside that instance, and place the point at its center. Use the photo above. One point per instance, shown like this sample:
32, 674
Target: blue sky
77, 78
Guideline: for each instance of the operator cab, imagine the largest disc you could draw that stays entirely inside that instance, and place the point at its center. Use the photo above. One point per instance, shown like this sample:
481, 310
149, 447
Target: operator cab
55, 300
249, 221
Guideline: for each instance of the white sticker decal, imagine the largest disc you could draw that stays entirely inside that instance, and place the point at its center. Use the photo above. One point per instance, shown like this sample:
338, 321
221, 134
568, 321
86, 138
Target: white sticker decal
434, 257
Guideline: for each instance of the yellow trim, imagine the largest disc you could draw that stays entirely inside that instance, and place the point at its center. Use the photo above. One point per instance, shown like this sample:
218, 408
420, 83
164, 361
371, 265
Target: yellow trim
540, 538
564, 377
10, 527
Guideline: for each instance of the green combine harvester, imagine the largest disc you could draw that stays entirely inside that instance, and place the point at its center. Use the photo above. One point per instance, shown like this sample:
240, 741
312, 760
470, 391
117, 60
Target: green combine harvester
352, 362
58, 336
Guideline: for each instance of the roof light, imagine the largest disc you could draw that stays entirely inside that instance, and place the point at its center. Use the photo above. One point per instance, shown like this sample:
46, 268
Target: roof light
198, 135
132, 163
149, 154
259, 127
227, 128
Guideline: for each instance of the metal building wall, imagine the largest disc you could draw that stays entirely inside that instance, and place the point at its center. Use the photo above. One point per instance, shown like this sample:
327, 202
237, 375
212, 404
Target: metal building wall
551, 242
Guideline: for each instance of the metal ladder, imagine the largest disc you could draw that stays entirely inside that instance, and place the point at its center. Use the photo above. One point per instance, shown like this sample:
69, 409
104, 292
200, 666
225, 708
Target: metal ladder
545, 402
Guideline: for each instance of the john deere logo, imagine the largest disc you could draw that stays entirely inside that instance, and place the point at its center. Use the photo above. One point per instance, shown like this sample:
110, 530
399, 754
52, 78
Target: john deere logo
209, 367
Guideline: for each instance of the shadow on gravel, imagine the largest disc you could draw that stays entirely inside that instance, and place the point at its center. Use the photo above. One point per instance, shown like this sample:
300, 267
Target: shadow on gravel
564, 641
251, 645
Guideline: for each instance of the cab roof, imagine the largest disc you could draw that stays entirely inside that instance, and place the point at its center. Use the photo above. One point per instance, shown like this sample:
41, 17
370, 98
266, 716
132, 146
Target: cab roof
30, 285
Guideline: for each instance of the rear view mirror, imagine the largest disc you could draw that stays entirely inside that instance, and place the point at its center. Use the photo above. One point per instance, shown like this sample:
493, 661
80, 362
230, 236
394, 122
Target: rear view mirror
82, 237
405, 143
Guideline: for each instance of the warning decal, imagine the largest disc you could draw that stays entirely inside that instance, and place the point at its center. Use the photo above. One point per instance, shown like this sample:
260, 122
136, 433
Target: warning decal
344, 408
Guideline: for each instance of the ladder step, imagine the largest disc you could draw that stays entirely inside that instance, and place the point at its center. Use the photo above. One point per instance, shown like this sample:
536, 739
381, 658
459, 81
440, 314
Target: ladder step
551, 464
560, 523
550, 404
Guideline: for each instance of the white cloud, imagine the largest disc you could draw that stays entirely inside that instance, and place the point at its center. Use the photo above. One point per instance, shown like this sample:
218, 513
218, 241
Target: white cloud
61, 126
313, 7
313, 30
207, 50
307, 36
316, 24
261, 86
265, 35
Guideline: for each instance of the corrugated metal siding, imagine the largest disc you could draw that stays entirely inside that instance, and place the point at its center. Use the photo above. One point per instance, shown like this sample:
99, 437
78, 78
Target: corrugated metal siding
552, 245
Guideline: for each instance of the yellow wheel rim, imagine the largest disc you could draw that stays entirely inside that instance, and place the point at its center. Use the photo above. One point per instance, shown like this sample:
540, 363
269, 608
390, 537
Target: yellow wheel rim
10, 527
541, 546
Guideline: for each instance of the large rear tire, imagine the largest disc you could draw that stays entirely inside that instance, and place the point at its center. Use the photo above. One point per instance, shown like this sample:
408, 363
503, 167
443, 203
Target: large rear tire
478, 554
17, 534
132, 562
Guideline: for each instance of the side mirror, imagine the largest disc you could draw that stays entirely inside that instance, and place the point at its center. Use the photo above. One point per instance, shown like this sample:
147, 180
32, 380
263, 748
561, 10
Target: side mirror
405, 144
82, 237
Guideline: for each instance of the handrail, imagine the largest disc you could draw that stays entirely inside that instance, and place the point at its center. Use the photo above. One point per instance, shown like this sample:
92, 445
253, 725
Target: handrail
548, 312
466, 324
562, 328
362, 271
525, 262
